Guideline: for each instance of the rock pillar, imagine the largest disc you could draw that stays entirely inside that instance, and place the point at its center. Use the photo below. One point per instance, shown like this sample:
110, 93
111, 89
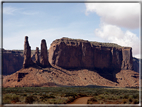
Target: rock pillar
27, 54
44, 54
37, 61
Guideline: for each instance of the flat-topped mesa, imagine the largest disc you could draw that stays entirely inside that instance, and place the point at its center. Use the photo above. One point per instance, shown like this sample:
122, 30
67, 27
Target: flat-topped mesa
44, 55
37, 60
77, 53
27, 54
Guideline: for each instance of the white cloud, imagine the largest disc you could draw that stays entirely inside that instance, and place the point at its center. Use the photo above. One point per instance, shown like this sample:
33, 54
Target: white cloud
113, 34
12, 10
120, 14
30, 13
9, 10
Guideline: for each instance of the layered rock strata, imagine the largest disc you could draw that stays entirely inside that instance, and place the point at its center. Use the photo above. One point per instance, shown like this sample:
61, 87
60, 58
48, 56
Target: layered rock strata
71, 53
44, 55
27, 54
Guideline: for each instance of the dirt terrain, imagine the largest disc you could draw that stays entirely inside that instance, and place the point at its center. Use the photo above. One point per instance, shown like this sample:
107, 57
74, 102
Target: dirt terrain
55, 76
82, 100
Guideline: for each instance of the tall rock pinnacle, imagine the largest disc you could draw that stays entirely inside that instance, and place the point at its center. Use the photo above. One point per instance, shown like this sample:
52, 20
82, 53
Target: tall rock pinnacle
27, 54
44, 54
37, 61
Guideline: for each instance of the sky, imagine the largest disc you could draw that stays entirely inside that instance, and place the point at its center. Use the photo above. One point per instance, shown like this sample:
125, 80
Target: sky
103, 22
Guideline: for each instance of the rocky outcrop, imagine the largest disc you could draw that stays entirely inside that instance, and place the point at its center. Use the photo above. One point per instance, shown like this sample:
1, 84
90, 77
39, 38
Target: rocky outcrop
27, 54
72, 53
44, 54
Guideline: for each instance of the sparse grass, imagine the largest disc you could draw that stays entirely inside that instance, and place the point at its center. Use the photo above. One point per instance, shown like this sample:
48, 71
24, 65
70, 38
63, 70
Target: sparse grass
64, 95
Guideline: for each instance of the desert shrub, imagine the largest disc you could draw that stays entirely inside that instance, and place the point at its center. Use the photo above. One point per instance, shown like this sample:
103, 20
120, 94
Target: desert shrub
136, 101
113, 97
126, 96
24, 94
101, 97
45, 97
55, 101
71, 94
6, 101
70, 99
136, 96
7, 98
124, 101
15, 98
91, 100
30, 99
101, 102
81, 95
130, 100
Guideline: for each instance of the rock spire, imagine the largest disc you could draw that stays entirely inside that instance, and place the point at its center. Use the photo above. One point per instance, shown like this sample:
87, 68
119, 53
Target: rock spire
37, 60
27, 54
44, 54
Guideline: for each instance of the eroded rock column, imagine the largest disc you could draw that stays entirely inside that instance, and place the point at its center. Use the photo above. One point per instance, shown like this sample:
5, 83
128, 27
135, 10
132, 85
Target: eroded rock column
27, 54
37, 61
44, 54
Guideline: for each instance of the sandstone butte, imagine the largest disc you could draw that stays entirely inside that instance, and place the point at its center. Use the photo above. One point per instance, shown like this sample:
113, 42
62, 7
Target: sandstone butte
75, 62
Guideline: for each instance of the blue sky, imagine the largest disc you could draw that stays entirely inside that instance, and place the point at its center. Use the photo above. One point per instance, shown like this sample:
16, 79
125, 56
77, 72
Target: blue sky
113, 23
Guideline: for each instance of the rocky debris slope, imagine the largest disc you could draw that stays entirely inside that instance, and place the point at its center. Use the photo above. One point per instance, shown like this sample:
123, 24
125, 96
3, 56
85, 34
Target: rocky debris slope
71, 53
54, 76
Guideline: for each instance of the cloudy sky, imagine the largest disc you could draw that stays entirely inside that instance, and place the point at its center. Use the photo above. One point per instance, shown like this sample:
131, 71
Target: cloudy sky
102, 22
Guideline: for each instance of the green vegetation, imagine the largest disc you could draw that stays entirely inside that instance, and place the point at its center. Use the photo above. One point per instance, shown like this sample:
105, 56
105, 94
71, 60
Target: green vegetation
64, 95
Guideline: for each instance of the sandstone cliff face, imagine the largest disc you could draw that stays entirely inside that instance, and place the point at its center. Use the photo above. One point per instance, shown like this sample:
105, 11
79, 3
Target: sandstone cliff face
127, 62
12, 61
136, 64
71, 53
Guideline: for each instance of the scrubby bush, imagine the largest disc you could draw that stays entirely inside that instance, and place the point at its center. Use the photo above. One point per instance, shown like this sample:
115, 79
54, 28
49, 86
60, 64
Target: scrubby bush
124, 101
136, 101
30, 99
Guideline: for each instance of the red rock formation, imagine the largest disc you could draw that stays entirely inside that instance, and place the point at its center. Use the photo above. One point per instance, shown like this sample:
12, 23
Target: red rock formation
44, 54
102, 57
27, 54
71, 53
127, 63
37, 61
116, 57
12, 61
